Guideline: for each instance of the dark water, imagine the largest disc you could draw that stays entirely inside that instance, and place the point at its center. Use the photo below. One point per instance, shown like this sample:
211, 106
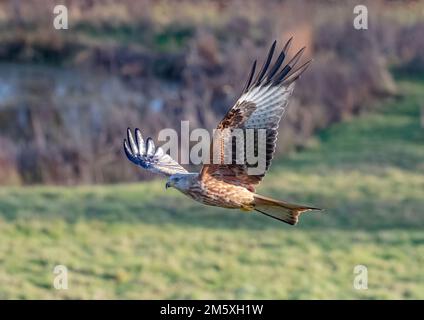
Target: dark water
24, 83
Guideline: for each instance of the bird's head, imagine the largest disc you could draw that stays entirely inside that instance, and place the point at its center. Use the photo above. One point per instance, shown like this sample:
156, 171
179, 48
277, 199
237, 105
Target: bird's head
180, 181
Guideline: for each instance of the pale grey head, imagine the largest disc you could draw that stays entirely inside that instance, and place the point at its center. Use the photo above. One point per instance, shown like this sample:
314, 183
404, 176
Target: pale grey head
181, 181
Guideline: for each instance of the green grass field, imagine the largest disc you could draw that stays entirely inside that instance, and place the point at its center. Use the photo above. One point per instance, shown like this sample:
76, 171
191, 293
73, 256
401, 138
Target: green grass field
140, 241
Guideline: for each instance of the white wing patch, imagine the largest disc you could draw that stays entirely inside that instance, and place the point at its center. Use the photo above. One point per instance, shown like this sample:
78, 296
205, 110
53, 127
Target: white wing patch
146, 155
270, 106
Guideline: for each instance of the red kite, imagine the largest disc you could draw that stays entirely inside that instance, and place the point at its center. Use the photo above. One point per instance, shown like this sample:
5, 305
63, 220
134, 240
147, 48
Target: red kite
229, 185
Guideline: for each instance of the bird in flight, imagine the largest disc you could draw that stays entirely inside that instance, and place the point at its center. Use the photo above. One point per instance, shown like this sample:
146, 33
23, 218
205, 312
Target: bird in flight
229, 184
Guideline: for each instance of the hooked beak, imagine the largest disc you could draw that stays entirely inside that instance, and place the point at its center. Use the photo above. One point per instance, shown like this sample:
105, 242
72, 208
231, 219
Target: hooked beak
167, 185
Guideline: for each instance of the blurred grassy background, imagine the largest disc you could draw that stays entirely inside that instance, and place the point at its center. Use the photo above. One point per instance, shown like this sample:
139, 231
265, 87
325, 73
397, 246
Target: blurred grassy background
352, 143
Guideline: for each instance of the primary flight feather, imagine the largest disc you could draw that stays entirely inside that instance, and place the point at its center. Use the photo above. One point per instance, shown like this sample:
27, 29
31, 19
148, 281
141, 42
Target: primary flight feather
230, 184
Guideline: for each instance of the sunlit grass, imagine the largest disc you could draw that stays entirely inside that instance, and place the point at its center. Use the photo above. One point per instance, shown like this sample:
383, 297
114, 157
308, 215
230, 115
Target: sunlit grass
124, 260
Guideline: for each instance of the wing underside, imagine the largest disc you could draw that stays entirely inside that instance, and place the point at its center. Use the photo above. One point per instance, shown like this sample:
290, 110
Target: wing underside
258, 110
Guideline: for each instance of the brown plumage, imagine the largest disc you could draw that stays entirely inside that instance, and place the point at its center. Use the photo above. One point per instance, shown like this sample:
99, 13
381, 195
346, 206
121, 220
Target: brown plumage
228, 182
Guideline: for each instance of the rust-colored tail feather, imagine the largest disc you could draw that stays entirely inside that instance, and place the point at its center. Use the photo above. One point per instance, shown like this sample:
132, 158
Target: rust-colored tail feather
280, 210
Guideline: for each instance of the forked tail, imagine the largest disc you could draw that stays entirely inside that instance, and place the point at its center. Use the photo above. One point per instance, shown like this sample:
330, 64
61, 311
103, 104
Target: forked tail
280, 210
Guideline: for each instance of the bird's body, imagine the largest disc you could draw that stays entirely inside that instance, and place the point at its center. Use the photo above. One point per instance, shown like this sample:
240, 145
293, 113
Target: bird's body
213, 192
232, 184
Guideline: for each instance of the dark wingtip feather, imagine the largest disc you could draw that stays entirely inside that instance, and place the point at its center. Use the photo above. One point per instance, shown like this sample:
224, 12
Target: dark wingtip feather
279, 78
128, 133
131, 142
279, 62
276, 66
274, 75
128, 151
287, 45
137, 136
297, 73
249, 80
266, 64
296, 57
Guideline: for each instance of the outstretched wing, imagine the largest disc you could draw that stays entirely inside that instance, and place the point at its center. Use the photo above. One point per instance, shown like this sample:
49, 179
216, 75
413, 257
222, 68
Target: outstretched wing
146, 155
260, 106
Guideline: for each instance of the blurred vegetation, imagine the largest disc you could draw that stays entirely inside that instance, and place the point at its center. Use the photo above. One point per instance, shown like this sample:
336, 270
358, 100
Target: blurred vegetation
67, 96
140, 241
